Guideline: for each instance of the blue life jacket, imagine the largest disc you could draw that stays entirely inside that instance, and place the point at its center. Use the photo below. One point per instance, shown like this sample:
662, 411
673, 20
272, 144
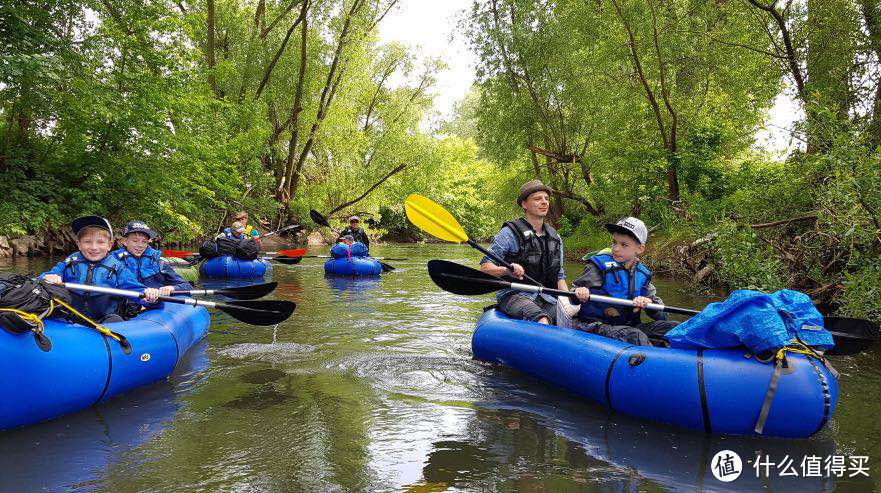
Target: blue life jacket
617, 283
104, 273
341, 250
227, 233
146, 268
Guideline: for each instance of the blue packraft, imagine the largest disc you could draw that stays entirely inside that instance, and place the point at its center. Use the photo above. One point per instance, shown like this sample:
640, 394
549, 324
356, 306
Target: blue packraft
759, 321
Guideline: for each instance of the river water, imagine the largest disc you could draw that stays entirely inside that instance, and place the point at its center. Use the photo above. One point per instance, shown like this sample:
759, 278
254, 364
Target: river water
370, 386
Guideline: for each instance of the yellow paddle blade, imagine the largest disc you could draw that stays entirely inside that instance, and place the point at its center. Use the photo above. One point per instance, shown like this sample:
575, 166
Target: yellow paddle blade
433, 219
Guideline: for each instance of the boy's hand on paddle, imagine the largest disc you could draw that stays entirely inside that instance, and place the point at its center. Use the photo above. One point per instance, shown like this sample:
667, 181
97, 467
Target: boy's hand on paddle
151, 295
518, 271
640, 302
583, 294
166, 290
52, 278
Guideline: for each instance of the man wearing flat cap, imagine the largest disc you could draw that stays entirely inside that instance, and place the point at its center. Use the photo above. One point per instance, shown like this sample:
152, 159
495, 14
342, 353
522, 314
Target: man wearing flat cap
356, 231
535, 250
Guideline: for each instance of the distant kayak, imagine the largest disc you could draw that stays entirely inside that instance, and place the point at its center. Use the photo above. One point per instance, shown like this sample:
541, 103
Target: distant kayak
355, 266
719, 390
228, 267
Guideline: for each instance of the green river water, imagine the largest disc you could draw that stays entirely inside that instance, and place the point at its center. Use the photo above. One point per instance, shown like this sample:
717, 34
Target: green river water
370, 386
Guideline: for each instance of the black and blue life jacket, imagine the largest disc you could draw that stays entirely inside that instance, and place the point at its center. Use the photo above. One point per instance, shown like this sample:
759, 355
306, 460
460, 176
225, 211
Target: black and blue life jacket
617, 283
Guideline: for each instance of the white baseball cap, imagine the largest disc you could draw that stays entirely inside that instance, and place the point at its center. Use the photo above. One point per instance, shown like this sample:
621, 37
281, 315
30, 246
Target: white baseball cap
630, 226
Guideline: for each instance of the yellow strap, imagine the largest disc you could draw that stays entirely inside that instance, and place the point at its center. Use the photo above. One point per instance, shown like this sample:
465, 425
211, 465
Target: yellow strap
91, 322
795, 347
31, 318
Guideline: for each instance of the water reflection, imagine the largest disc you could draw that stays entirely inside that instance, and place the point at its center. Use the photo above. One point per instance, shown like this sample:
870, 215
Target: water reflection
370, 385
75, 451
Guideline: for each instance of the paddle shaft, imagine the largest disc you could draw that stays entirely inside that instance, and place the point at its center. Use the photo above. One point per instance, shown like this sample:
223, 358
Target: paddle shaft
134, 294
529, 288
502, 262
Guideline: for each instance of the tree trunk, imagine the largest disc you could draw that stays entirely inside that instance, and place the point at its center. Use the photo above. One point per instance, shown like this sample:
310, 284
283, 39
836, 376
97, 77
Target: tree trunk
209, 55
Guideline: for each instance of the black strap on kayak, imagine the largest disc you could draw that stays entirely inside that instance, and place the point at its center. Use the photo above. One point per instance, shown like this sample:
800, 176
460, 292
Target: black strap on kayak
609, 376
702, 389
827, 399
109, 369
769, 395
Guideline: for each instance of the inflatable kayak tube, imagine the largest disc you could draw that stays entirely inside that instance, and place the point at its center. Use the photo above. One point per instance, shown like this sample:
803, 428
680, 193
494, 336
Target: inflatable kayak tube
84, 367
718, 390
228, 267
356, 266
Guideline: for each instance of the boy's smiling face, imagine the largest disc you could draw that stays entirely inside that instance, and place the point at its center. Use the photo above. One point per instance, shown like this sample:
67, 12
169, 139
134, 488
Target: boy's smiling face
136, 243
625, 248
94, 244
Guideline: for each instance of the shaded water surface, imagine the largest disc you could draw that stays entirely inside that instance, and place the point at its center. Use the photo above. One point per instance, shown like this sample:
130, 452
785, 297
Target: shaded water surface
371, 386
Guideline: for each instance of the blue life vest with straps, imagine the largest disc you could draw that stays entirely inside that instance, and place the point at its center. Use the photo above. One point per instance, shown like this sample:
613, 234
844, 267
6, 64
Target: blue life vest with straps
617, 283
249, 233
146, 267
103, 273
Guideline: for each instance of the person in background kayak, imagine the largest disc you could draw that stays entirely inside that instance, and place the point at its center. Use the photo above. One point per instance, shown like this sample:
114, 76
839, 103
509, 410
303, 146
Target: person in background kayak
533, 248
235, 232
356, 231
93, 265
248, 231
144, 261
620, 274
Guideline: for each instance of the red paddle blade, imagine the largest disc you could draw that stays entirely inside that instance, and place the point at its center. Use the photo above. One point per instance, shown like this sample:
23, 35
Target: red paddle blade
177, 253
299, 252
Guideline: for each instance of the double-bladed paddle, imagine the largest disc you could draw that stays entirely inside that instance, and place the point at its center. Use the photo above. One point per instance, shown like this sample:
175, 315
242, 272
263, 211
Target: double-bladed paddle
296, 252
430, 217
282, 230
851, 335
322, 221
251, 292
254, 312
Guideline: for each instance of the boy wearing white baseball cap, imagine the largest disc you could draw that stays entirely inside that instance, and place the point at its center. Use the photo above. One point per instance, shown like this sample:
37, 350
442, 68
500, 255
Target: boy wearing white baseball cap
620, 274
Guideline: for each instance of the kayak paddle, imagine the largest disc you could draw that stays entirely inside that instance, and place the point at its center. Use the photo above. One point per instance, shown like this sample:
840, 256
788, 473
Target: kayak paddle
459, 279
282, 230
850, 335
436, 221
297, 252
251, 292
253, 312
322, 221
376, 258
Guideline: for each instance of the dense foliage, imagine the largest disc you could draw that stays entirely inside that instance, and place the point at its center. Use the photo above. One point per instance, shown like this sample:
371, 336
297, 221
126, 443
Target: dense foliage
651, 108
180, 112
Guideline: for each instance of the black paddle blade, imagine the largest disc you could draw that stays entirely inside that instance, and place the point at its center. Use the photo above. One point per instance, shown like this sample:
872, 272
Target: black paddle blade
458, 279
318, 218
851, 335
288, 260
251, 292
258, 312
386, 267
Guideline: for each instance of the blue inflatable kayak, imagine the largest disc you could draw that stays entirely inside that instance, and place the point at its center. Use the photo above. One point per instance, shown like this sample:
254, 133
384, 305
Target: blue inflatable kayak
84, 367
719, 390
356, 266
228, 267
351, 260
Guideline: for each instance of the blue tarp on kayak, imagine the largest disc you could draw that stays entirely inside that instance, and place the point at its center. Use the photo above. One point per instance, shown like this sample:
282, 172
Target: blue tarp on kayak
759, 321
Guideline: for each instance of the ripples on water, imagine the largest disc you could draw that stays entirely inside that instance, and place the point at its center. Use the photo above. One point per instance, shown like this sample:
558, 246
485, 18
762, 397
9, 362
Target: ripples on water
371, 386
